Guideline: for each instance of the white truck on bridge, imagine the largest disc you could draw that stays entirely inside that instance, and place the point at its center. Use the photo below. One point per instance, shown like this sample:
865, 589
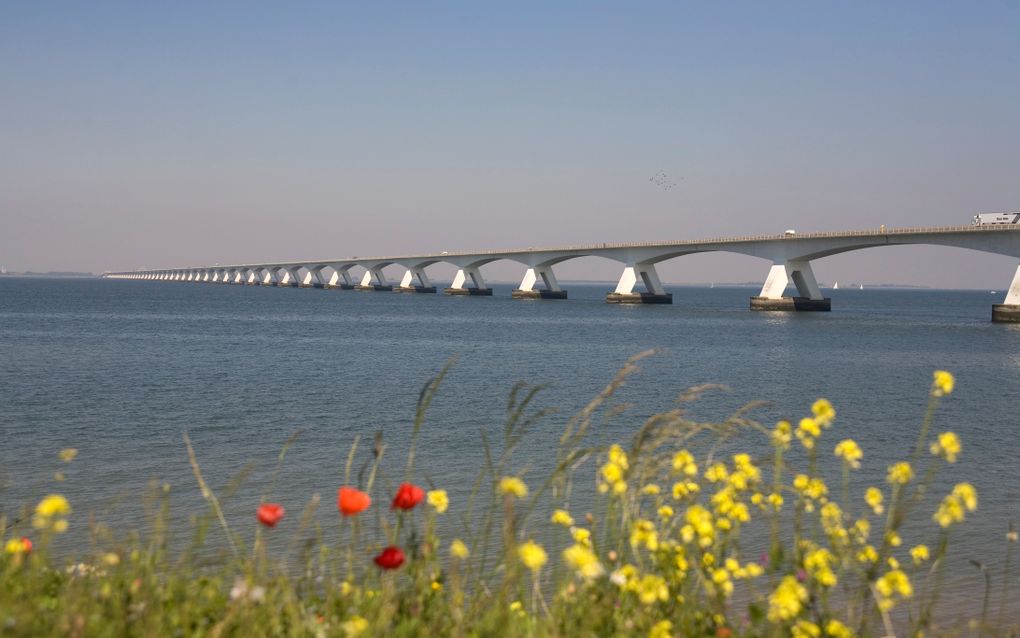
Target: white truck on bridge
984, 219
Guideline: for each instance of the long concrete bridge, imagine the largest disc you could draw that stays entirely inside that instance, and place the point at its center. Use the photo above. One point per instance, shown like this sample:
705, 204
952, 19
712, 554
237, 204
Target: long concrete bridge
790, 254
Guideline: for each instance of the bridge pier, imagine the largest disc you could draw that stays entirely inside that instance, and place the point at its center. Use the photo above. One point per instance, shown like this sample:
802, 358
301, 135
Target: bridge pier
413, 274
780, 275
457, 288
655, 293
374, 280
1009, 310
527, 289
341, 278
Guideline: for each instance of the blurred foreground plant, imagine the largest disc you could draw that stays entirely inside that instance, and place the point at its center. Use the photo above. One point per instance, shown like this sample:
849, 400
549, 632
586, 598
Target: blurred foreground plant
662, 547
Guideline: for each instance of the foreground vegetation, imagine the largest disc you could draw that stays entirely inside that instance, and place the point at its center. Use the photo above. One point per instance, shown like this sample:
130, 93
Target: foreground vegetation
663, 550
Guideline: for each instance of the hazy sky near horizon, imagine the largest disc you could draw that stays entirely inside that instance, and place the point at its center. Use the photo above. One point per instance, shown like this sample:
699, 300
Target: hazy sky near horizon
167, 134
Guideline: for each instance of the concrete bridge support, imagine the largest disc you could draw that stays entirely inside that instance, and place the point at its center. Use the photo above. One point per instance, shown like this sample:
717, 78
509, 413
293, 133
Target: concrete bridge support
269, 277
624, 292
341, 278
374, 279
527, 289
291, 276
1009, 310
314, 278
780, 275
458, 288
415, 280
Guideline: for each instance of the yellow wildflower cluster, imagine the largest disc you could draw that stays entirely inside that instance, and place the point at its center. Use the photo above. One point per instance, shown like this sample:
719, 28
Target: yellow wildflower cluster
807, 431
644, 534
614, 472
684, 463
900, 473
51, 513
513, 486
562, 517
942, 383
948, 446
893, 585
439, 500
458, 549
873, 497
786, 602
532, 555
850, 452
823, 412
962, 499
584, 561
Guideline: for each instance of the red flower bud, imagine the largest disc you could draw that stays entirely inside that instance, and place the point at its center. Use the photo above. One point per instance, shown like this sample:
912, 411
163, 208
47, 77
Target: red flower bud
351, 501
408, 496
391, 558
269, 514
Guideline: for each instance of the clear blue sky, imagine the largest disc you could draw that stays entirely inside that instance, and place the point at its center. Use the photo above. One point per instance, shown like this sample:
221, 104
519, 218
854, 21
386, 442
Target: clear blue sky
163, 134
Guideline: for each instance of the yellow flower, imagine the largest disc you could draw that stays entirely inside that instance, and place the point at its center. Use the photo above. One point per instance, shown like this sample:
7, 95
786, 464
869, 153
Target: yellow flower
943, 383
685, 488
807, 431
532, 555
661, 629
818, 563
919, 554
581, 536
893, 584
50, 513
824, 413
716, 473
618, 457
947, 446
584, 561
650, 490
814, 488
836, 629
513, 486
562, 517
873, 497
963, 498
721, 582
683, 463
644, 533
850, 452
438, 499
354, 626
781, 435
805, 629
867, 555
786, 602
436, 585
652, 589
67, 454
900, 473
458, 549
665, 512
53, 505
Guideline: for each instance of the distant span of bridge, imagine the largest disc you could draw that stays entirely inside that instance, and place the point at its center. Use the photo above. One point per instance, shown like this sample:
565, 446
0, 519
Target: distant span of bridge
790, 254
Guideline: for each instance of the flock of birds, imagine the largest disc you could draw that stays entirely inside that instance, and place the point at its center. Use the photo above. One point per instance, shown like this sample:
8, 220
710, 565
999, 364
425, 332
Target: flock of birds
663, 181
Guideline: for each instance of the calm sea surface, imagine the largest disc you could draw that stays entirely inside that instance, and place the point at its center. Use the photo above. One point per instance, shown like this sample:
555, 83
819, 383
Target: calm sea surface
120, 369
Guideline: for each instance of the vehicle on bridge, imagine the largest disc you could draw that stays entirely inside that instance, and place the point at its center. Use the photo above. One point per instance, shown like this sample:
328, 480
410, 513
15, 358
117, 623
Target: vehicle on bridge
985, 219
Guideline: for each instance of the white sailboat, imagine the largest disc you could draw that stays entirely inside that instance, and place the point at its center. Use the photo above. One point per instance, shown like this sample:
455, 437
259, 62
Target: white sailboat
835, 285
861, 287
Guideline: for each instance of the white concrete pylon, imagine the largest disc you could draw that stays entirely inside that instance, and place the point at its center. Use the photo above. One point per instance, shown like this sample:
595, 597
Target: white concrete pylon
1013, 295
797, 271
531, 276
374, 276
341, 276
415, 273
315, 277
464, 273
648, 275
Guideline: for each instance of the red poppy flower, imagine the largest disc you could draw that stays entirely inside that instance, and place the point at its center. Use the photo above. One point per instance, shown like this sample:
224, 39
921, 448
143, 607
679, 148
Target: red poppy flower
269, 514
408, 496
391, 558
352, 501
26, 544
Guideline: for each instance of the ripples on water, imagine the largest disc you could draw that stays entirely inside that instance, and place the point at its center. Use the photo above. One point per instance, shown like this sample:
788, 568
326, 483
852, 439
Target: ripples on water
119, 369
